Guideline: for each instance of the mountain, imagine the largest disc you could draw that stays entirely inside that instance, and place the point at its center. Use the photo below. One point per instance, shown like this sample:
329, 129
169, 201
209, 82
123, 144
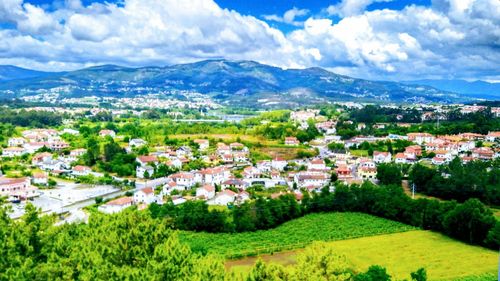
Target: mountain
479, 89
240, 83
9, 72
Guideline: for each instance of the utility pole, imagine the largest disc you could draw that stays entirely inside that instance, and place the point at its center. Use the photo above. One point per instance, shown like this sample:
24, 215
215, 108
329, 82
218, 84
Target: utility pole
413, 191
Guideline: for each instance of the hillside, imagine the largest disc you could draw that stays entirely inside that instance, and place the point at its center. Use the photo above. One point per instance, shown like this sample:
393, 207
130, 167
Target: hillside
233, 83
479, 89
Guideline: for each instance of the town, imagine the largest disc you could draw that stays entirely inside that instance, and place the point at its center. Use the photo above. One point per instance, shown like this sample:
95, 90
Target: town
52, 167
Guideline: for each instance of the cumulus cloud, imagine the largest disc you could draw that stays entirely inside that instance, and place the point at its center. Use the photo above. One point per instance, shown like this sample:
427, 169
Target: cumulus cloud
347, 8
289, 17
451, 38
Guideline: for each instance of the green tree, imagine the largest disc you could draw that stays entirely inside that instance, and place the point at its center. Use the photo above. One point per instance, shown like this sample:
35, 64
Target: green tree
389, 174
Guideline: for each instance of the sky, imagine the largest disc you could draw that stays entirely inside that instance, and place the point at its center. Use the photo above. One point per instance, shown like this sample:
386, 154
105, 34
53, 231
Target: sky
371, 39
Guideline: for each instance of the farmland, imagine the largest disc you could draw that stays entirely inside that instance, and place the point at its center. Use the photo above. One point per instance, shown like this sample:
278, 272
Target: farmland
400, 253
292, 235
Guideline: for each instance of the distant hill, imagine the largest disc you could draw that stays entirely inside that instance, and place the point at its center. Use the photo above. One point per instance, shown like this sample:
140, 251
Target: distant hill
240, 83
479, 89
9, 72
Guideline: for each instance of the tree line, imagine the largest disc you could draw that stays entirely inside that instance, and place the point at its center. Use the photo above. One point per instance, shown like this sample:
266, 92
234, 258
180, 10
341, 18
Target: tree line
458, 181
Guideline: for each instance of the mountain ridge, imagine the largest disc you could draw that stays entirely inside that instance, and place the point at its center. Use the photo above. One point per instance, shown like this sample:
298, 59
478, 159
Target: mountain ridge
229, 82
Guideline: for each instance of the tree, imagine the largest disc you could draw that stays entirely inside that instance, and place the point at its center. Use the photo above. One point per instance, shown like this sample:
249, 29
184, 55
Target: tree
111, 149
419, 275
374, 273
469, 222
389, 174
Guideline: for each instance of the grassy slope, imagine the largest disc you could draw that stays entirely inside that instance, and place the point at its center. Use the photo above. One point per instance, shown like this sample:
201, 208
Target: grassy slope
443, 258
402, 253
294, 234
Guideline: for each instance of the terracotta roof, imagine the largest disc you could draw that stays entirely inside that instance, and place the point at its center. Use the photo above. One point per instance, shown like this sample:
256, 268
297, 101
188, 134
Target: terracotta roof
80, 168
147, 190
147, 158
121, 201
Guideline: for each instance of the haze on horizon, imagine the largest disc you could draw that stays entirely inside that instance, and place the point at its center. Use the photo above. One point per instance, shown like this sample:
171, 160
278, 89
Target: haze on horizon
372, 39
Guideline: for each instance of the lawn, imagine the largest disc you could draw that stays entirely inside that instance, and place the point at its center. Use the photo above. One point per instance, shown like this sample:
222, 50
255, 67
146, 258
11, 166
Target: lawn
292, 235
402, 253
359, 152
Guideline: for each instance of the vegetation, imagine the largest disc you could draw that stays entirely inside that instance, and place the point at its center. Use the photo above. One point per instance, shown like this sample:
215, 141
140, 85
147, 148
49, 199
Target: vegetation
291, 235
459, 181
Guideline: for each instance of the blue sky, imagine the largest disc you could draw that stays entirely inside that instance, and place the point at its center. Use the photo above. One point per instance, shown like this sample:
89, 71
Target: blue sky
373, 39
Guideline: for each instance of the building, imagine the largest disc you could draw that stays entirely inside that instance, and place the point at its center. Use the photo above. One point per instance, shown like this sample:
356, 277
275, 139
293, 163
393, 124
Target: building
80, 170
215, 175
316, 164
278, 164
291, 141
235, 183
382, 157
143, 172
40, 178
366, 172
16, 142
17, 188
147, 160
420, 138
207, 191
184, 179
145, 195
492, 136
225, 197
117, 205
202, 144
105, 133
13, 152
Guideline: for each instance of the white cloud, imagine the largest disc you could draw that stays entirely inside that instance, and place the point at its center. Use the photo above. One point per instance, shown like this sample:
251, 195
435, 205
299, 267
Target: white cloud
449, 39
347, 8
289, 17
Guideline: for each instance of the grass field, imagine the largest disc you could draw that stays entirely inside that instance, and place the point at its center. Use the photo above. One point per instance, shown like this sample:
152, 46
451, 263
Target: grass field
292, 235
402, 253
228, 137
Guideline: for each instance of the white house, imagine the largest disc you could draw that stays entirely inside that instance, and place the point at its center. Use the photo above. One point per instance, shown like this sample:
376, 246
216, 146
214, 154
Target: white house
40, 178
80, 170
225, 197
278, 164
202, 144
492, 136
316, 164
116, 206
184, 179
13, 151
16, 142
142, 171
145, 195
207, 191
382, 157
104, 133
215, 175
70, 131
136, 143
420, 138
147, 160
19, 188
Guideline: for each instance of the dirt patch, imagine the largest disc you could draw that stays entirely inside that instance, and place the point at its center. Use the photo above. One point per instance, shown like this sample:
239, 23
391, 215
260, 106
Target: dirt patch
283, 258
